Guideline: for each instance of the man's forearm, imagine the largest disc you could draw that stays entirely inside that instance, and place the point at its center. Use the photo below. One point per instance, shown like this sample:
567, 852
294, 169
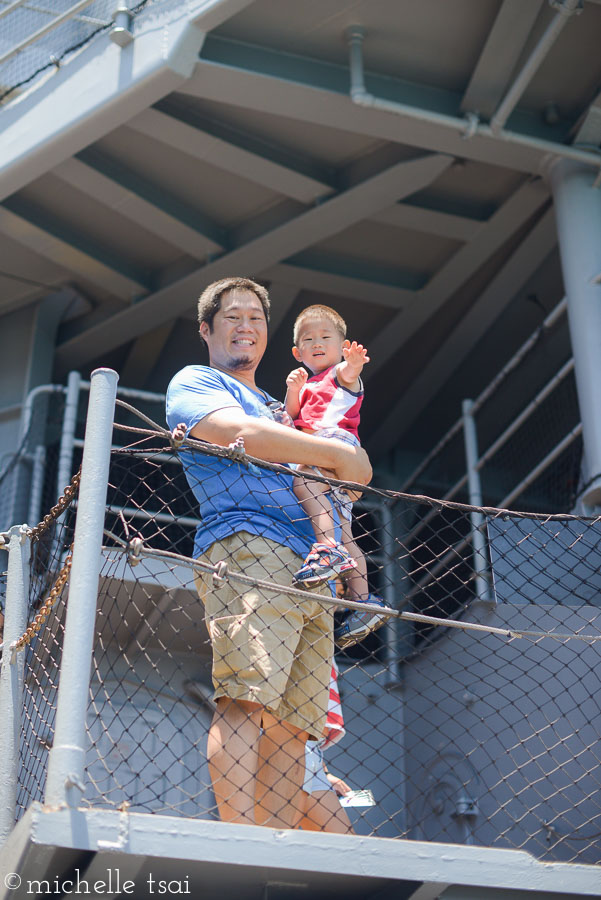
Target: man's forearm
277, 443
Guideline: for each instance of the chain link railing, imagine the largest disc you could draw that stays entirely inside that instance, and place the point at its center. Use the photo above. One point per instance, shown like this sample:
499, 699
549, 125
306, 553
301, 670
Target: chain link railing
465, 721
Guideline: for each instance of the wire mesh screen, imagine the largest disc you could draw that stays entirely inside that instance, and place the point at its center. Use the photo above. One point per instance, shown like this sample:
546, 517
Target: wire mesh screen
470, 716
38, 37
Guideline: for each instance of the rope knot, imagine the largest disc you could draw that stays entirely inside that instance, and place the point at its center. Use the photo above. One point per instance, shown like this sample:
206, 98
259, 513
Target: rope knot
219, 573
134, 551
237, 449
178, 436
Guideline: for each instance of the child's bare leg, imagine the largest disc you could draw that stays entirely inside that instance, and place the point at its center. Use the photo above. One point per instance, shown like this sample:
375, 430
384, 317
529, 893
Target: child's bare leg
311, 496
356, 580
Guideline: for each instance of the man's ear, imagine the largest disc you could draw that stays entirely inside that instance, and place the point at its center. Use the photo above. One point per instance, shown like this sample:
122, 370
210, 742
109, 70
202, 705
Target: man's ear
296, 354
204, 330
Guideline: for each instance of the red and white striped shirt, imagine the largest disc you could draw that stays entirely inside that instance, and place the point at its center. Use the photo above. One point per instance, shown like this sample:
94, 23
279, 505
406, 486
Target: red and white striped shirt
334, 721
325, 403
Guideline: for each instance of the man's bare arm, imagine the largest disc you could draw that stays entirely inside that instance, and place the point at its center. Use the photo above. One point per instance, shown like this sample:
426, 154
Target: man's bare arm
277, 443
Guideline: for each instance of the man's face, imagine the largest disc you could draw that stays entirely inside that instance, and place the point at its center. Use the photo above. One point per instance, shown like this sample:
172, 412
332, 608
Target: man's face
238, 337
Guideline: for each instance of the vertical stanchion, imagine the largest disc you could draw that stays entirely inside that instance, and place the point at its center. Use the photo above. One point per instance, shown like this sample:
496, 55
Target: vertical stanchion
389, 594
479, 550
37, 485
577, 202
66, 765
65, 457
11, 678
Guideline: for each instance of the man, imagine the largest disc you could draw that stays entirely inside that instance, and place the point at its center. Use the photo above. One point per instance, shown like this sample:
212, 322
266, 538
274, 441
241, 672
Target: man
270, 652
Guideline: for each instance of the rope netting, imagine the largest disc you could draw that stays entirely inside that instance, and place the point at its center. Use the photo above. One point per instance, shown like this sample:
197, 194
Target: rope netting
471, 715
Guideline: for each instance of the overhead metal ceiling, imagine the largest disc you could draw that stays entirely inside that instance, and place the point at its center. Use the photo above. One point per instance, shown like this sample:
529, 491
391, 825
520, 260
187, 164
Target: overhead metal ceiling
251, 158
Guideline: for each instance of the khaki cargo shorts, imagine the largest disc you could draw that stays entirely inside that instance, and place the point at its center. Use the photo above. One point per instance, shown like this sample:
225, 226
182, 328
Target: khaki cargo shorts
268, 647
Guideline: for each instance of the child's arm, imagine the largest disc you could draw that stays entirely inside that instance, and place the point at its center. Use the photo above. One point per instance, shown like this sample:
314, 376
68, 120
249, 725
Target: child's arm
294, 383
348, 371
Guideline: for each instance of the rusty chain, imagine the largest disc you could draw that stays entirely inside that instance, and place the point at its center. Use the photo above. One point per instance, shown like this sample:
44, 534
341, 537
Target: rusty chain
63, 502
44, 610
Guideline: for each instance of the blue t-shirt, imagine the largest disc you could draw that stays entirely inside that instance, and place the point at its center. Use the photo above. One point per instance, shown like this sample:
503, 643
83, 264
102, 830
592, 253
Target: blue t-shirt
233, 496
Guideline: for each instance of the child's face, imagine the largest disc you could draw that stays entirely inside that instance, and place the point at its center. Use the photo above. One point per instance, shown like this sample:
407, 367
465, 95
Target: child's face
319, 345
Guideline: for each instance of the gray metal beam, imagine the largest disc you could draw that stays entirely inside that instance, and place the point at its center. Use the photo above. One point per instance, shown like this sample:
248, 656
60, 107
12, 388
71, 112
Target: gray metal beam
143, 356
429, 221
500, 55
514, 213
305, 862
282, 298
339, 285
118, 84
130, 196
529, 256
588, 129
256, 255
27, 226
263, 168
267, 81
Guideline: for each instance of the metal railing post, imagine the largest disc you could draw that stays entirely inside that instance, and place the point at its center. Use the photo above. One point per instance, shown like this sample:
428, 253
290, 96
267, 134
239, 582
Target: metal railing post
11, 678
479, 550
66, 764
65, 458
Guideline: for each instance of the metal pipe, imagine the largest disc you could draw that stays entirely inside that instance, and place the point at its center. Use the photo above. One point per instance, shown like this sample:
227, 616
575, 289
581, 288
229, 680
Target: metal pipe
543, 464
479, 548
11, 6
65, 457
389, 592
565, 10
45, 29
11, 678
64, 785
131, 392
33, 395
578, 214
37, 485
468, 126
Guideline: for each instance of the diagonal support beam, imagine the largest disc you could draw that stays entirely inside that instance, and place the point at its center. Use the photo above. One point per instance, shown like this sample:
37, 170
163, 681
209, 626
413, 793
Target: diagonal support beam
430, 221
27, 225
127, 194
500, 55
340, 285
261, 168
143, 356
514, 213
588, 129
103, 87
529, 256
257, 254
